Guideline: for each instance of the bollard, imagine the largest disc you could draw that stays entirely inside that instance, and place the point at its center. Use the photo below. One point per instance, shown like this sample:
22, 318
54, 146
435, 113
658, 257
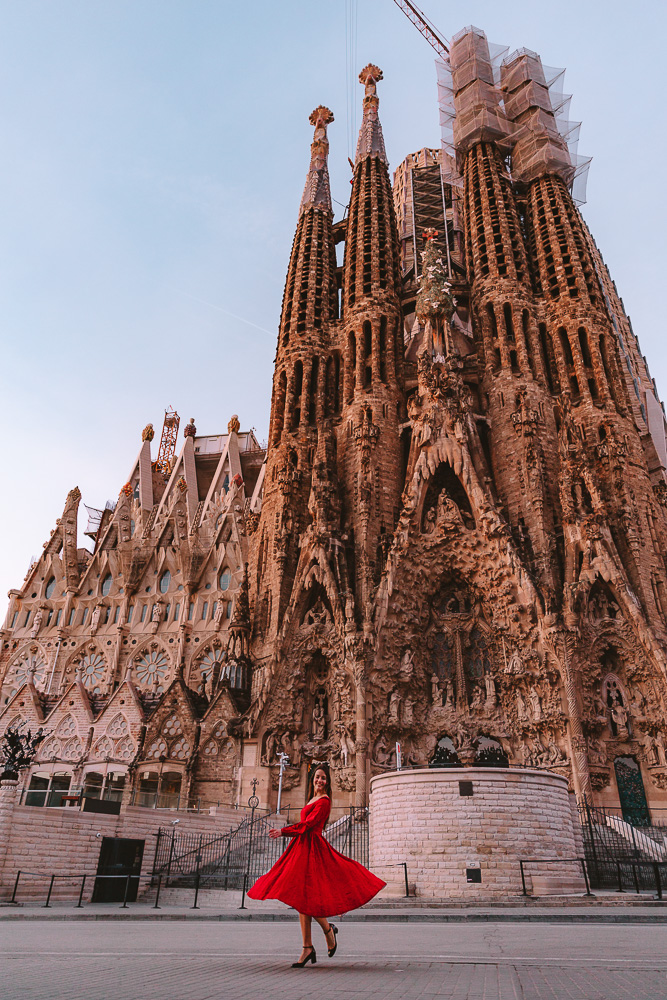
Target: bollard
620, 877
523, 879
80, 903
658, 881
405, 872
47, 903
583, 868
127, 891
194, 905
245, 883
16, 885
157, 894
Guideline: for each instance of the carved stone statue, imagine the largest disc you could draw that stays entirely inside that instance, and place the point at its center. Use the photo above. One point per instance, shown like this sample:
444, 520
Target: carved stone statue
514, 665
346, 746
37, 622
319, 721
408, 715
449, 693
477, 698
299, 708
491, 694
521, 709
394, 706
436, 693
407, 666
620, 716
535, 704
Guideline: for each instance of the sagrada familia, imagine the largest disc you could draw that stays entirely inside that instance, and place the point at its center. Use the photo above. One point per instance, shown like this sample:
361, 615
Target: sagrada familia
454, 544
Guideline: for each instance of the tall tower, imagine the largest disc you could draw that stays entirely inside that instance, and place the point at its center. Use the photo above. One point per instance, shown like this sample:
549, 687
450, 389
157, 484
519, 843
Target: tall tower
513, 377
304, 388
371, 345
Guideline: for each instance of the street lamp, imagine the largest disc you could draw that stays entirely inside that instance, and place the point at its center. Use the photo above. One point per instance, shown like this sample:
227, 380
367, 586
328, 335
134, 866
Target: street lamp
284, 760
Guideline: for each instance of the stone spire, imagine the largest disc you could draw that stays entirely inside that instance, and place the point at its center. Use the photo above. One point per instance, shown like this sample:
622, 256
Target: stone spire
371, 141
317, 192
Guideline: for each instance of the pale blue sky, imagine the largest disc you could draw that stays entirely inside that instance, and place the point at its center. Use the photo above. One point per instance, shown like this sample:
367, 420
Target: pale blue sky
152, 158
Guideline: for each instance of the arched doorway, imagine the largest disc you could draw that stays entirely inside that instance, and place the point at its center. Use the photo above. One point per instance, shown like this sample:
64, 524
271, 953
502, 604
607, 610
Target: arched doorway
631, 791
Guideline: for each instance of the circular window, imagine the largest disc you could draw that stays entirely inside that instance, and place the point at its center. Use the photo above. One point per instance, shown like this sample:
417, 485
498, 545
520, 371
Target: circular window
151, 668
165, 580
106, 584
93, 668
50, 587
225, 580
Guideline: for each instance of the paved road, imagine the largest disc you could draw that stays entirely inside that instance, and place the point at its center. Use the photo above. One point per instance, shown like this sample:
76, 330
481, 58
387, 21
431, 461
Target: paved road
149, 960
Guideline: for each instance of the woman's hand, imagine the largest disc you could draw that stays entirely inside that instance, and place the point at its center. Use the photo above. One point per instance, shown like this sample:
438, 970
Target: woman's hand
274, 834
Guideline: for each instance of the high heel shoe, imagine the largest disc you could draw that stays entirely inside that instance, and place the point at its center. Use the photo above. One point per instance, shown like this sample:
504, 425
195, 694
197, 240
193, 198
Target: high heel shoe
332, 951
312, 957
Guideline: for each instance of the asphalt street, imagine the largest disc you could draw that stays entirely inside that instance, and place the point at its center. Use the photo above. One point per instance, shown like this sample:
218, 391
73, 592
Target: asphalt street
188, 960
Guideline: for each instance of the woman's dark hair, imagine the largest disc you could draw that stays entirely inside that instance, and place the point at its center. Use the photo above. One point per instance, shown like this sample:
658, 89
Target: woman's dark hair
311, 780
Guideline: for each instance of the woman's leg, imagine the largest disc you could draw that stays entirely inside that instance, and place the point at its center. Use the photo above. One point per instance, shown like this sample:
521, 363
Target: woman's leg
328, 933
306, 923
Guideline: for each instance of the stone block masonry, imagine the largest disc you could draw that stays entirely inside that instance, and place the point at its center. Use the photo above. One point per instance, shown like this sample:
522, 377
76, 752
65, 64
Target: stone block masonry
428, 819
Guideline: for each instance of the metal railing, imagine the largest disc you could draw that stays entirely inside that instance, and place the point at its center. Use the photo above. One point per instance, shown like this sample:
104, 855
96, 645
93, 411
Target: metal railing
234, 860
580, 862
71, 878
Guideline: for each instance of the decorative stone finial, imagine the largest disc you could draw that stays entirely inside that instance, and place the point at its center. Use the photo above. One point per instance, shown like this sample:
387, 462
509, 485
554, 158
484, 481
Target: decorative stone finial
190, 430
234, 426
369, 76
148, 433
126, 490
371, 140
317, 193
181, 485
74, 495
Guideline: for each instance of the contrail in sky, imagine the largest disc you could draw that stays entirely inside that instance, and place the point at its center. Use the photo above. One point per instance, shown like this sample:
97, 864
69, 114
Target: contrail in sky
212, 305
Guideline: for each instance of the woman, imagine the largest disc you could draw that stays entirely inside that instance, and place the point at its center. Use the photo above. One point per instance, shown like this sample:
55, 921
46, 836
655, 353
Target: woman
311, 876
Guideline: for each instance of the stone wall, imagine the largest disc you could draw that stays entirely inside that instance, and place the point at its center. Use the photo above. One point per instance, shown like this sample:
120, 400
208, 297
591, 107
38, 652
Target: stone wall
421, 817
65, 841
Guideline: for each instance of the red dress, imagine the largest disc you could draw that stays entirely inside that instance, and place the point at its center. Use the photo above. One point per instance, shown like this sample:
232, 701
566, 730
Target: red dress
313, 877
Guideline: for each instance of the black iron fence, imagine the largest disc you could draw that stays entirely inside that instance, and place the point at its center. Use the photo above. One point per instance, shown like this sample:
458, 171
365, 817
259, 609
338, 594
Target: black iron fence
236, 859
624, 855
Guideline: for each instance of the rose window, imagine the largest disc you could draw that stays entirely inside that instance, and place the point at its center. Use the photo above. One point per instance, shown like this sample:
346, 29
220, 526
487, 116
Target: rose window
29, 662
219, 731
118, 727
158, 749
92, 669
125, 749
172, 726
67, 727
180, 749
211, 749
104, 747
151, 668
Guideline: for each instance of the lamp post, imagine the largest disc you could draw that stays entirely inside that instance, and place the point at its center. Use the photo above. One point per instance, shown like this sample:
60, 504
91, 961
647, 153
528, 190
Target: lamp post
284, 760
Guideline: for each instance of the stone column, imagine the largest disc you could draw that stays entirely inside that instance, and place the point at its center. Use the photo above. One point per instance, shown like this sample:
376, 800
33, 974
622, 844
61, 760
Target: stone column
361, 740
8, 796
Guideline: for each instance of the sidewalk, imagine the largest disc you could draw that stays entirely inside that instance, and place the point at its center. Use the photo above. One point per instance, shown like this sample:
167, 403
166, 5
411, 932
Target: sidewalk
611, 908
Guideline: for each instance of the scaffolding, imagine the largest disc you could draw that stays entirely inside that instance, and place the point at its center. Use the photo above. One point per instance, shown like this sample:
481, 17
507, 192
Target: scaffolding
515, 101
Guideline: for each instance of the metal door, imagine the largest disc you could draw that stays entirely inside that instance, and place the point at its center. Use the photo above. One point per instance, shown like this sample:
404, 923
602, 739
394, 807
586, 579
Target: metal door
118, 857
631, 791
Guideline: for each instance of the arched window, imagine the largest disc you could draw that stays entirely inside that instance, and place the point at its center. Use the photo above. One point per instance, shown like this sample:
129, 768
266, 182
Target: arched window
489, 753
445, 754
165, 581
225, 579
106, 584
50, 587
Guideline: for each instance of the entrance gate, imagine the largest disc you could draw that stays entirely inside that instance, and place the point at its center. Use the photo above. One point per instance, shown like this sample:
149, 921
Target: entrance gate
118, 857
631, 791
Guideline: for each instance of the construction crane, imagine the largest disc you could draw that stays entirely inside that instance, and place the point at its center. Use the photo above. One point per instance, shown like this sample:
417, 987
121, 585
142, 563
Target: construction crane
421, 23
167, 450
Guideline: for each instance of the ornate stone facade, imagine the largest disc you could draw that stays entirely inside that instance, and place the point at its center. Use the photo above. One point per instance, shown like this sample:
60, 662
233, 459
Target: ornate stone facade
454, 540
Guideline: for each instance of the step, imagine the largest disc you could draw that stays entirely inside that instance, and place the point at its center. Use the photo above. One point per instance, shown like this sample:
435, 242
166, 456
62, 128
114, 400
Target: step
556, 885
